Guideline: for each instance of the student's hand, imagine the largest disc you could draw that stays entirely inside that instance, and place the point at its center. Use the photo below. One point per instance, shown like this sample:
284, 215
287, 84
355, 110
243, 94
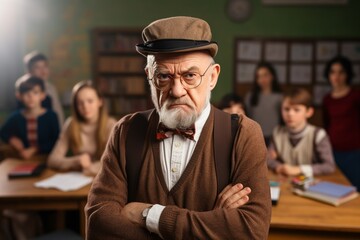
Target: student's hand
272, 154
288, 170
233, 196
85, 160
279, 169
28, 152
16, 143
133, 212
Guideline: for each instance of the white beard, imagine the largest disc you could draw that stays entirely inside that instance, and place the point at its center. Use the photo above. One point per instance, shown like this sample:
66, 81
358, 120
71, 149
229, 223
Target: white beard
177, 118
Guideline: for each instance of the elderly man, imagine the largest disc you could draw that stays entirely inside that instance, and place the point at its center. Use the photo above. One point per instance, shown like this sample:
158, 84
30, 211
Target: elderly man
166, 173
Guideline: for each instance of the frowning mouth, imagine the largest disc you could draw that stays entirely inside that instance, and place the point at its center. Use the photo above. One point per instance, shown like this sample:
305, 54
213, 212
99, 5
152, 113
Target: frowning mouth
179, 105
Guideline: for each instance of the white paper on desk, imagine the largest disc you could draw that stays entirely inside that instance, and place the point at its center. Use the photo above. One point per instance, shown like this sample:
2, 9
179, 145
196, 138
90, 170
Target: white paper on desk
65, 181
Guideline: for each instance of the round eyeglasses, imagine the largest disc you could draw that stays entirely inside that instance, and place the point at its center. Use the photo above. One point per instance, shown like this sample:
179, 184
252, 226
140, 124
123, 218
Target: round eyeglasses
188, 80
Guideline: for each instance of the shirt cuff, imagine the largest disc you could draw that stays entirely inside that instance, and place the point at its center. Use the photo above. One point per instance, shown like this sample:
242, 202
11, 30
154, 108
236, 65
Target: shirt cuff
153, 218
307, 170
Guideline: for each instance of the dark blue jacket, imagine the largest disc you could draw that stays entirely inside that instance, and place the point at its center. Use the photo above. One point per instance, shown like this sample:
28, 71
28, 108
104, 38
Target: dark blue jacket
47, 130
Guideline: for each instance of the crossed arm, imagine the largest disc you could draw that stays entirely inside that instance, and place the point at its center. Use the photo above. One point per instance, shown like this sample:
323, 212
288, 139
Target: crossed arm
232, 197
109, 215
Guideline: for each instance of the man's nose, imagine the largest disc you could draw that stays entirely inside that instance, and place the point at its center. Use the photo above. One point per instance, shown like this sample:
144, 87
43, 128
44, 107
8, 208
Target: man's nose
177, 90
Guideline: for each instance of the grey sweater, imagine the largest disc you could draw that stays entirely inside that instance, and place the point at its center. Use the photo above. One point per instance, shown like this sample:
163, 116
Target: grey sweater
267, 112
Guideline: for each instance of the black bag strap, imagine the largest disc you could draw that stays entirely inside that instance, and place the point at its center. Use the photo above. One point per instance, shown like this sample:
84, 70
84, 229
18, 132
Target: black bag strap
134, 147
225, 129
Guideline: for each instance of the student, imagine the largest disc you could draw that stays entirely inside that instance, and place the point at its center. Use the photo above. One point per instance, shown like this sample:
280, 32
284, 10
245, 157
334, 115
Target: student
299, 147
341, 114
232, 103
264, 100
85, 133
33, 129
37, 65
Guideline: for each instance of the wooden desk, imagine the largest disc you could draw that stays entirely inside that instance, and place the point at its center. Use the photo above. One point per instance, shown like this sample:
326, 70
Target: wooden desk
300, 218
21, 194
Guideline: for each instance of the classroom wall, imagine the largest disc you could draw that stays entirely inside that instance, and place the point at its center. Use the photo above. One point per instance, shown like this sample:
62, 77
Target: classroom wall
61, 29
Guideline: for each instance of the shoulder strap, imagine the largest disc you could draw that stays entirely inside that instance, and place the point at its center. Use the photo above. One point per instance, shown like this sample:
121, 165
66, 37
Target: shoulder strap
225, 129
134, 147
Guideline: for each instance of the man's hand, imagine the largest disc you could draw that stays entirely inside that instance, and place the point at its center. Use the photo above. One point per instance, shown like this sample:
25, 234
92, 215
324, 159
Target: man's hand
288, 170
133, 212
233, 196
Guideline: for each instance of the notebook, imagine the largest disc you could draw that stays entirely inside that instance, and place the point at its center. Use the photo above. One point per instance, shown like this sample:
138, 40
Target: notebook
27, 170
328, 192
331, 189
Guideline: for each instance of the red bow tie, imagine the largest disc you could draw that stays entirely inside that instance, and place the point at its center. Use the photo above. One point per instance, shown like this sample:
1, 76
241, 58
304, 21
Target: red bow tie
165, 132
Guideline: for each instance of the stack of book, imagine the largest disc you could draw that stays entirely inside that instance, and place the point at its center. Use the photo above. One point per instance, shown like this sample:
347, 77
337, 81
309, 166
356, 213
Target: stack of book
328, 192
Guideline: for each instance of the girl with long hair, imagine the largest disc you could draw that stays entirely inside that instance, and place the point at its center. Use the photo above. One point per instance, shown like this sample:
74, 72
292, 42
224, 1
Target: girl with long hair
84, 134
263, 102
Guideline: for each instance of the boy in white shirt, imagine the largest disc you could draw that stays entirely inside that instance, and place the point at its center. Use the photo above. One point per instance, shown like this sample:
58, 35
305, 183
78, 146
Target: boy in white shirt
299, 147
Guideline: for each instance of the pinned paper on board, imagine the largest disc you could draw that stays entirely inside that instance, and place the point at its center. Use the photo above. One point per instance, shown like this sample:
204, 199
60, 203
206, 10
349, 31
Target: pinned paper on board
351, 50
325, 50
245, 72
249, 50
275, 51
300, 74
301, 52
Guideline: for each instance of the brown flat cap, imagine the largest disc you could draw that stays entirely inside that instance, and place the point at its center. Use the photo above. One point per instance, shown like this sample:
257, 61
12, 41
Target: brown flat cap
177, 34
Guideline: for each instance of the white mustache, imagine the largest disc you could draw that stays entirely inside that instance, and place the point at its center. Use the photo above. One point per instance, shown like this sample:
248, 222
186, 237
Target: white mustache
170, 102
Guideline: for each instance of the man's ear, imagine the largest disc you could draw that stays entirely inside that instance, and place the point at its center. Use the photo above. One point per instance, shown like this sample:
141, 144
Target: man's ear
310, 112
214, 75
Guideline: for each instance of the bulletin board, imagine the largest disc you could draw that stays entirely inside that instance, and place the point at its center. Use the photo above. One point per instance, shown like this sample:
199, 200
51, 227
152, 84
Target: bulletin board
298, 62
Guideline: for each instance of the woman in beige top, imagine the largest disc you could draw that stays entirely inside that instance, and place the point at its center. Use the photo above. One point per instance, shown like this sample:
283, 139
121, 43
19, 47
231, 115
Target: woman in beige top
84, 134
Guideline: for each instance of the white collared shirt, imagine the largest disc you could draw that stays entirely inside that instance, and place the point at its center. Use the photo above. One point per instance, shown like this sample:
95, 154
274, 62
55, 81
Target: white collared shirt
175, 154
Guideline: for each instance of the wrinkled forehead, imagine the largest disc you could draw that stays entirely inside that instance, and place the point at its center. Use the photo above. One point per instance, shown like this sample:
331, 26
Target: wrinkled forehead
184, 60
